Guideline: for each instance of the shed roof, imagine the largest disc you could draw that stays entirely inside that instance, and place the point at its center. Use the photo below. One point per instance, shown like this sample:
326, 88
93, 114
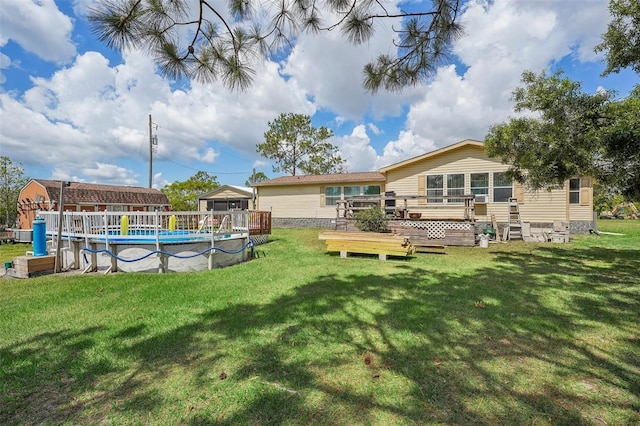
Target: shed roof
324, 179
91, 193
241, 190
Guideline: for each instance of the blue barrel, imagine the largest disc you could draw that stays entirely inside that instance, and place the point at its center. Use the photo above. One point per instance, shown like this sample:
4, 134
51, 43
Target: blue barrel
39, 237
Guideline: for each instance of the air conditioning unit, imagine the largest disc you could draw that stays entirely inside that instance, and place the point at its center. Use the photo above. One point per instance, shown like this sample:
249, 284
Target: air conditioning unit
481, 199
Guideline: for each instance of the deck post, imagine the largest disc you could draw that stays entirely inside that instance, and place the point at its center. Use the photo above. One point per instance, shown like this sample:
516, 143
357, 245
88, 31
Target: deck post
164, 261
210, 260
114, 261
213, 241
94, 257
76, 254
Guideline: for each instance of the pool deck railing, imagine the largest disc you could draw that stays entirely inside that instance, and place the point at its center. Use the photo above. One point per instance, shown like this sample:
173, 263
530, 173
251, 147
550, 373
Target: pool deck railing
144, 225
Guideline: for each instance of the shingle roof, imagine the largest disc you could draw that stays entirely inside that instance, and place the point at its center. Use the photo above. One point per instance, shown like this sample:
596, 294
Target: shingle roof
91, 193
319, 179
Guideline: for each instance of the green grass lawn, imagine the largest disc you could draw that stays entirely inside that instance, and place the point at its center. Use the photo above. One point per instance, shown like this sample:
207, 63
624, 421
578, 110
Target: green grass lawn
539, 334
9, 251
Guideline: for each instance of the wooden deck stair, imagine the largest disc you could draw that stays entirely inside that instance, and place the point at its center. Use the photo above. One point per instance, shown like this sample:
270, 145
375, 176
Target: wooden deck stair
515, 222
367, 242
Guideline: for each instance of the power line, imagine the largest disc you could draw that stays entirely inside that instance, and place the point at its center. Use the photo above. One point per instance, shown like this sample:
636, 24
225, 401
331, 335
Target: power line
193, 168
157, 126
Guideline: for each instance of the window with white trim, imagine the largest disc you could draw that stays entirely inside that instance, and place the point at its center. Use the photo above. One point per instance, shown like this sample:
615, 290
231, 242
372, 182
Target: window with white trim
435, 188
455, 186
502, 187
371, 190
331, 195
351, 191
480, 183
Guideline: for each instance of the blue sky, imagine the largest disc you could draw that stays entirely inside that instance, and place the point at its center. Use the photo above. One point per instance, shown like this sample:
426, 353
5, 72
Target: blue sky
73, 109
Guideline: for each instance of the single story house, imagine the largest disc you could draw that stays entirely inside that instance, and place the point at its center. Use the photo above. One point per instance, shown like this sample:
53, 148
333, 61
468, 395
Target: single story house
44, 194
225, 198
430, 183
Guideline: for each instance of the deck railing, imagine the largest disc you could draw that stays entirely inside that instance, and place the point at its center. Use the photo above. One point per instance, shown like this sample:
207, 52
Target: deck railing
399, 206
259, 222
143, 224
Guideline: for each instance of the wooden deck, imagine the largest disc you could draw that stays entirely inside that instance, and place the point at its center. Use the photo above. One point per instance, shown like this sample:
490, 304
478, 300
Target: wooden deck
368, 243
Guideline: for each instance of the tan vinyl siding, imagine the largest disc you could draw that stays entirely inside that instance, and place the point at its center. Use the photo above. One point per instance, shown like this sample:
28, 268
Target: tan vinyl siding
294, 199
422, 189
584, 210
467, 159
294, 202
543, 206
302, 201
540, 206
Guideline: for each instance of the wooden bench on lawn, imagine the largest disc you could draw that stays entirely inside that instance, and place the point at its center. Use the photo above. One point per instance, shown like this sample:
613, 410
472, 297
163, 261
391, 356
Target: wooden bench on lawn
381, 244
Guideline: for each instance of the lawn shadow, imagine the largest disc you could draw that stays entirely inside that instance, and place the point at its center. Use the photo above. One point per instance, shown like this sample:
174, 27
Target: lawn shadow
460, 347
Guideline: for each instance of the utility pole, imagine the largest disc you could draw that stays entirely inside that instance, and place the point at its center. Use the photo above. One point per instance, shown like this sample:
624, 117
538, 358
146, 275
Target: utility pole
150, 152
253, 188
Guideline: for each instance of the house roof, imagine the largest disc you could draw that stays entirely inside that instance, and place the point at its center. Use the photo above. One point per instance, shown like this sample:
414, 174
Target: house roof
242, 190
91, 193
431, 154
324, 179
378, 176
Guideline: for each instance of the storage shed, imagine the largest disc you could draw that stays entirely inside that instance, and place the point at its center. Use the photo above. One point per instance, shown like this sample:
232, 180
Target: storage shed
225, 198
44, 194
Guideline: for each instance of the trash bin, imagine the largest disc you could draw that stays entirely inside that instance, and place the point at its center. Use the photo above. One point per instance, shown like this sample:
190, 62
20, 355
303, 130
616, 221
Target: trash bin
484, 241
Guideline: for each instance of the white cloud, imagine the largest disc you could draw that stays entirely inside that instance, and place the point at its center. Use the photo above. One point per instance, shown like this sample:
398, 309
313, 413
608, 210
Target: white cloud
259, 164
406, 146
111, 173
356, 150
330, 70
5, 62
374, 129
29, 138
105, 111
90, 117
503, 39
209, 156
38, 27
159, 181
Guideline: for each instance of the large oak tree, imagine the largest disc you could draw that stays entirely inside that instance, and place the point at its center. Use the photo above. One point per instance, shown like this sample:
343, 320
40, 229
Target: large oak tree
562, 132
